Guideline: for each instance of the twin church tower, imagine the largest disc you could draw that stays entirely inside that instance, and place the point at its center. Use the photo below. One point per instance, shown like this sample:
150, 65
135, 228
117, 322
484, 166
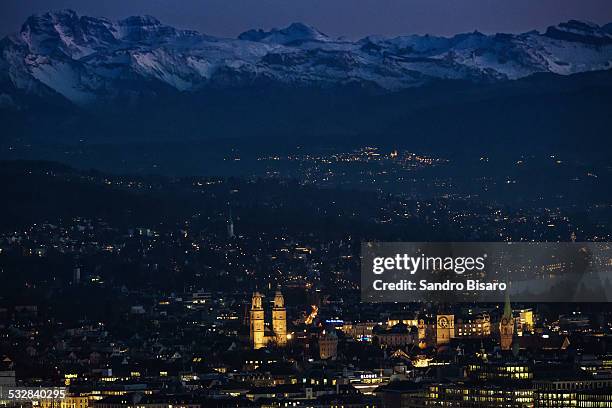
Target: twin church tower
258, 335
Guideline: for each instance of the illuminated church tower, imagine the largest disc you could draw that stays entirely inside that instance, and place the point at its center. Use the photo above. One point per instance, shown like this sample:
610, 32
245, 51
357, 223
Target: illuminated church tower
422, 330
257, 322
445, 329
279, 319
506, 326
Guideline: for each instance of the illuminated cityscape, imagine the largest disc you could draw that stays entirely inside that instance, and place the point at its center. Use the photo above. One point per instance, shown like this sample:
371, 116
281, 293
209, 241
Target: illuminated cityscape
192, 219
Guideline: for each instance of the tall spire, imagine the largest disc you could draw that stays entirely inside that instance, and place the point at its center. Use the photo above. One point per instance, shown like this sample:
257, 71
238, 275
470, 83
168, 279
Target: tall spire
507, 306
257, 322
279, 318
506, 325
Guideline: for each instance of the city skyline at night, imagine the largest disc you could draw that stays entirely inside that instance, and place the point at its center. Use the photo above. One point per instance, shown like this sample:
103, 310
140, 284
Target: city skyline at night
232, 204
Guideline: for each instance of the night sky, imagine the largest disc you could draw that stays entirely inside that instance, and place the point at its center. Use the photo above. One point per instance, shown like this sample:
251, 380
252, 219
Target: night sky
350, 18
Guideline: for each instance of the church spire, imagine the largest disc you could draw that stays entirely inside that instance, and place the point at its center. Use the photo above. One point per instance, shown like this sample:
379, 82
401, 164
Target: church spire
257, 335
506, 325
279, 318
507, 306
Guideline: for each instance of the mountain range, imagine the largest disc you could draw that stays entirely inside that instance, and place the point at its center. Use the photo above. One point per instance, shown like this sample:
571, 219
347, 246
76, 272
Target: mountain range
84, 60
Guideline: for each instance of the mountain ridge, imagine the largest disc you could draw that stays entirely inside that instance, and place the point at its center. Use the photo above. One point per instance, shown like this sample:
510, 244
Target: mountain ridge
89, 60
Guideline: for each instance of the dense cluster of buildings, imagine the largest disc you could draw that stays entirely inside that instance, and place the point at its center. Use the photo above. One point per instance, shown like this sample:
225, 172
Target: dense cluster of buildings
199, 350
215, 312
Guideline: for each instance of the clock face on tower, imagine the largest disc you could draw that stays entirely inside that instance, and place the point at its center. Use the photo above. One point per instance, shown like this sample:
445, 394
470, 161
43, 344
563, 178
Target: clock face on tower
443, 322
504, 321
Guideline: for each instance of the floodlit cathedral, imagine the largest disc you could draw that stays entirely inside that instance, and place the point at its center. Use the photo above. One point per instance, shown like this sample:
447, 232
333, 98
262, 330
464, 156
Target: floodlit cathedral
257, 322
279, 319
258, 335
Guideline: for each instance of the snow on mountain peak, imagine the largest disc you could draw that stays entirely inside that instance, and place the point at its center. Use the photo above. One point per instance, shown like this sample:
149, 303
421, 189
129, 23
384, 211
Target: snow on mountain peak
86, 59
294, 34
580, 31
145, 29
67, 32
79, 36
145, 20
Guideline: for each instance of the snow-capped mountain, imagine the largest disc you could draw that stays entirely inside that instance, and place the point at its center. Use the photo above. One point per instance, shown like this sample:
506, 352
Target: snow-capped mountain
88, 59
295, 34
